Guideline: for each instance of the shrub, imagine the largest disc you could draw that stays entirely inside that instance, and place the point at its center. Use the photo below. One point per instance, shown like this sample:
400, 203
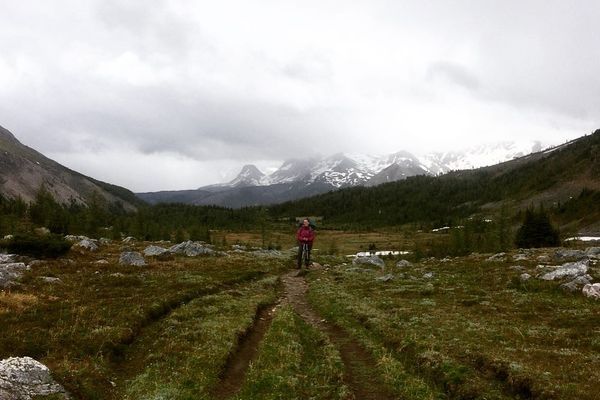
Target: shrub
51, 246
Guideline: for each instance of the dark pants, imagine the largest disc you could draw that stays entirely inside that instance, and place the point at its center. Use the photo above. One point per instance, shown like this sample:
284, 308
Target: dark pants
308, 249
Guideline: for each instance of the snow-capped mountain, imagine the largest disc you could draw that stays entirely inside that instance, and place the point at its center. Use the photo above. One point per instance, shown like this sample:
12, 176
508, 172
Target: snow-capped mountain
343, 170
303, 177
249, 176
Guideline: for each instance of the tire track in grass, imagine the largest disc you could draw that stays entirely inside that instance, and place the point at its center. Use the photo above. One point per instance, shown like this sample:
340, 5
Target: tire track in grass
234, 372
360, 372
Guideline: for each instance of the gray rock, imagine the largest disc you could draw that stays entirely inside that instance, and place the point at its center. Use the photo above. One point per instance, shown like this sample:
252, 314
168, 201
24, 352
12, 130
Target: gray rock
385, 278
8, 237
132, 258
23, 378
8, 258
592, 291
50, 279
190, 249
153, 251
369, 260
569, 254
10, 273
428, 275
238, 247
74, 238
568, 270
129, 239
517, 268
521, 257
102, 262
570, 287
87, 244
497, 257
403, 264
544, 258
524, 277
593, 252
105, 241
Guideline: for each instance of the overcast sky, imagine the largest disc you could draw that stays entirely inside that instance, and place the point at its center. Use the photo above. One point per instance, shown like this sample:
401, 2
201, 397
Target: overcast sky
178, 94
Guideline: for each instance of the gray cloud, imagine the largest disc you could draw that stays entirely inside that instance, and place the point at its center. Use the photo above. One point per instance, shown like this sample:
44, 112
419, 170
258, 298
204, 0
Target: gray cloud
205, 86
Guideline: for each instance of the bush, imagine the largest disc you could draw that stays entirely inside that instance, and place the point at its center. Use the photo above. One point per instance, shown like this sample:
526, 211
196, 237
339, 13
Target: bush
537, 231
50, 246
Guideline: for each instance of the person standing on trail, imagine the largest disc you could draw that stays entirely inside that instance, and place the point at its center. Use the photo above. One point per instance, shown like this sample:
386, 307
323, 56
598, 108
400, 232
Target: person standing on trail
305, 237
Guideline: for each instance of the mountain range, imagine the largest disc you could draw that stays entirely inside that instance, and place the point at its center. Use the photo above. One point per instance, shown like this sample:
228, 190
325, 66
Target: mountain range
23, 171
302, 177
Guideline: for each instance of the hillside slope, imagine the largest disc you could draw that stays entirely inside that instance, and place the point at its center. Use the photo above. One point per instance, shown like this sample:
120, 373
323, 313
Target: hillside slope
552, 177
23, 171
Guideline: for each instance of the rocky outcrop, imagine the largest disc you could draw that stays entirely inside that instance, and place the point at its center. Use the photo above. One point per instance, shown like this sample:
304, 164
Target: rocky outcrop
132, 258
190, 249
568, 270
23, 378
87, 244
10, 273
369, 260
569, 254
155, 251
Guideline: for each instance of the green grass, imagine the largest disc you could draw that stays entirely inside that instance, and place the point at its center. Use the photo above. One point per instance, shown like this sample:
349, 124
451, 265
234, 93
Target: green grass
81, 327
191, 346
295, 361
471, 331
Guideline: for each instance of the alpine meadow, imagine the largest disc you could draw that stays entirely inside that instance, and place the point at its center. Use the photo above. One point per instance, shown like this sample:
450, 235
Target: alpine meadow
318, 201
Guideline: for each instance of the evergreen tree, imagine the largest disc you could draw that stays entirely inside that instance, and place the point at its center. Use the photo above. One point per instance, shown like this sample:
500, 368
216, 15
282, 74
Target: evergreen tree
537, 230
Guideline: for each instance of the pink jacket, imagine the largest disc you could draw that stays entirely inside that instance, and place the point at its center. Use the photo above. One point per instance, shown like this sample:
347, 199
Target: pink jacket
305, 234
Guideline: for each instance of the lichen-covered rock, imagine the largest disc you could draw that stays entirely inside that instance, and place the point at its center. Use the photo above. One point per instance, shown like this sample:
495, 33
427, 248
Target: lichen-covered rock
8, 258
592, 291
74, 238
524, 277
497, 257
369, 260
10, 273
86, 244
403, 264
569, 254
132, 258
190, 249
23, 378
154, 251
593, 252
568, 270
428, 275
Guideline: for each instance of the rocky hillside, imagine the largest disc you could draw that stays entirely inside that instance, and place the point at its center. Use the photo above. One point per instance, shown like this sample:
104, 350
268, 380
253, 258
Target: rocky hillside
23, 171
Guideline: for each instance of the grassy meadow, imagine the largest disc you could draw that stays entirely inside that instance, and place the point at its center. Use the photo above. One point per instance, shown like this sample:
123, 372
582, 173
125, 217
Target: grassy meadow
442, 328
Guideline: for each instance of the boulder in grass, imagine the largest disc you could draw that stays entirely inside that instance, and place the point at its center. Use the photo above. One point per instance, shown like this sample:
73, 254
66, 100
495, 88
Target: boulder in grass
129, 239
155, 251
592, 291
497, 257
23, 378
86, 244
8, 258
524, 277
569, 254
568, 270
132, 258
369, 260
10, 273
593, 252
190, 249
403, 264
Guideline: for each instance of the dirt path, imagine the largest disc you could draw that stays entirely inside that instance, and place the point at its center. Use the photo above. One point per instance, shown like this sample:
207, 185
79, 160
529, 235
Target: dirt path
234, 373
360, 372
